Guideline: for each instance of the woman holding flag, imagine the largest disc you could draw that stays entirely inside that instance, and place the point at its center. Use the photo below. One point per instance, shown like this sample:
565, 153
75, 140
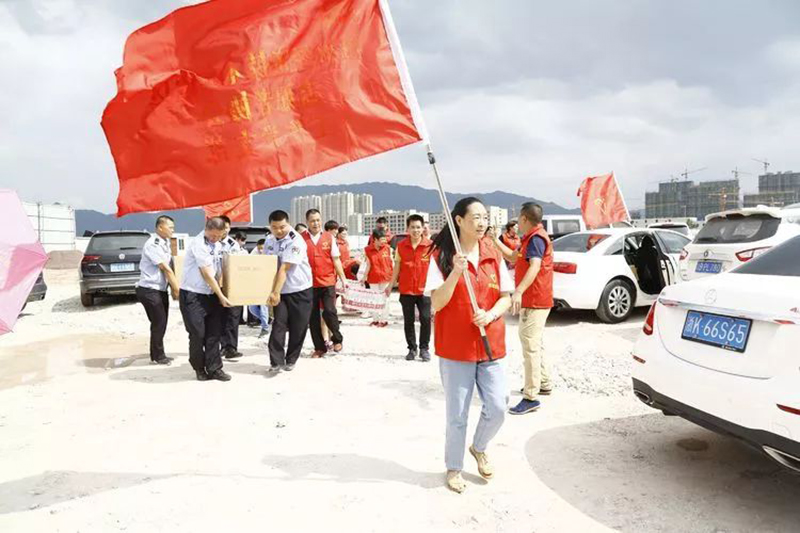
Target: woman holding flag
463, 360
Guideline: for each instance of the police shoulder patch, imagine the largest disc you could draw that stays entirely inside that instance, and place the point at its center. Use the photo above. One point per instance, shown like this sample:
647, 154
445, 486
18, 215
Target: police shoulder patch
292, 234
157, 241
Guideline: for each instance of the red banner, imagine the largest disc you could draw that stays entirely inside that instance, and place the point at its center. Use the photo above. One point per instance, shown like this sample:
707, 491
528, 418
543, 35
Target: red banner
238, 210
225, 98
601, 201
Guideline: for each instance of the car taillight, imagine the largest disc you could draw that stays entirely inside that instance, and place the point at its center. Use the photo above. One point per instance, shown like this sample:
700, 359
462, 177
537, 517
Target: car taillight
90, 258
650, 321
565, 268
747, 255
684, 255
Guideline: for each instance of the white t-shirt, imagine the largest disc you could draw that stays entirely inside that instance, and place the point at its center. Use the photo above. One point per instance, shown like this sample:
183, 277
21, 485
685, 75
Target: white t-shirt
334, 247
436, 280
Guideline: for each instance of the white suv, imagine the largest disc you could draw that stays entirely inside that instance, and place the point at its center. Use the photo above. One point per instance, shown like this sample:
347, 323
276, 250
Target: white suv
732, 238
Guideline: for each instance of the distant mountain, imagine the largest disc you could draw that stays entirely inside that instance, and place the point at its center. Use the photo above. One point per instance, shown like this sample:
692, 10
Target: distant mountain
385, 196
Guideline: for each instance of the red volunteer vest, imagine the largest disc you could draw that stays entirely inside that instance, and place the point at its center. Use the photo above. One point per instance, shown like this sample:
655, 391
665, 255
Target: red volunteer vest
319, 256
381, 265
344, 250
540, 294
456, 337
512, 242
414, 265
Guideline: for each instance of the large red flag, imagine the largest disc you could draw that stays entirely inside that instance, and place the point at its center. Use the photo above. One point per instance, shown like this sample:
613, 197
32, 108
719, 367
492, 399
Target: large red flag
239, 210
601, 201
224, 98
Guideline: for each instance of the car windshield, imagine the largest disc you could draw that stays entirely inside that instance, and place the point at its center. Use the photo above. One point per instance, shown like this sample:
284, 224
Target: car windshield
783, 260
683, 230
734, 229
563, 227
116, 241
578, 242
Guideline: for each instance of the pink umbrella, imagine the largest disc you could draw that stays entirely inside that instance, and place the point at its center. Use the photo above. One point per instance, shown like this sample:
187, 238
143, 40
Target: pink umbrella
22, 258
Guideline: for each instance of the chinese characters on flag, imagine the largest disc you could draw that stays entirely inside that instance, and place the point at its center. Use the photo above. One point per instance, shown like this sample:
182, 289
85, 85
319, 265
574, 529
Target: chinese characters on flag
601, 201
225, 98
239, 210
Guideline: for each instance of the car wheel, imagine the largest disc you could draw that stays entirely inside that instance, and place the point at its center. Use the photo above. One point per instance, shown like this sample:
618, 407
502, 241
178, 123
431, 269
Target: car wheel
616, 303
87, 299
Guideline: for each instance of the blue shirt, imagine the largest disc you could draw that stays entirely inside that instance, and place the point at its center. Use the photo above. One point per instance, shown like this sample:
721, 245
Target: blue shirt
292, 250
200, 254
536, 248
155, 252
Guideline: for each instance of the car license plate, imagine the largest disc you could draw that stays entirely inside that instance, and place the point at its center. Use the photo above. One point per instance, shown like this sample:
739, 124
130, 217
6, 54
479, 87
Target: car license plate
708, 267
122, 267
723, 332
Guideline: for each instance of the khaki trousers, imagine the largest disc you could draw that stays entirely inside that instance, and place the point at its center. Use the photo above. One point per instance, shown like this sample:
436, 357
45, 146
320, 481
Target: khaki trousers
531, 333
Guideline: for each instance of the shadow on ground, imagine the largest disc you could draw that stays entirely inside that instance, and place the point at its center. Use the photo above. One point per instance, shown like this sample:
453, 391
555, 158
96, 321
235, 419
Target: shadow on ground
570, 317
54, 487
352, 468
656, 473
73, 304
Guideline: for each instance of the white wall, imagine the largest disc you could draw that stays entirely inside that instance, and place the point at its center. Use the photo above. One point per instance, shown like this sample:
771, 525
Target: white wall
54, 224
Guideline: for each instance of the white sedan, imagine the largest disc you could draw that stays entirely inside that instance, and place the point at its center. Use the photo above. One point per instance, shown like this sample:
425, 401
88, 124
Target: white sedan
614, 270
721, 352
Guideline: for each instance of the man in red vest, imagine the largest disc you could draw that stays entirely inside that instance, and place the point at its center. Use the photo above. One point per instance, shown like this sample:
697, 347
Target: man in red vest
533, 299
510, 238
349, 263
323, 255
411, 268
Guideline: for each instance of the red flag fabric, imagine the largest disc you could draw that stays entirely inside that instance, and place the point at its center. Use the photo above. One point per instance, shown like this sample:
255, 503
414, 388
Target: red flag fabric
239, 210
601, 201
224, 98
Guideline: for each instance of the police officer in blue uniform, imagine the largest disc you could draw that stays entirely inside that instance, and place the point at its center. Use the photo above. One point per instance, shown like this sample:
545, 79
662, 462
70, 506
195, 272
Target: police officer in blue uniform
291, 292
155, 276
202, 302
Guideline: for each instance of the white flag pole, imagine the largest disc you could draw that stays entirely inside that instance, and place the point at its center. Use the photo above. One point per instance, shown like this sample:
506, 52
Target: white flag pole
416, 115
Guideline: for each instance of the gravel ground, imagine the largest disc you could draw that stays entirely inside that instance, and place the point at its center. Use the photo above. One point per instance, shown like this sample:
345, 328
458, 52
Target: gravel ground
93, 438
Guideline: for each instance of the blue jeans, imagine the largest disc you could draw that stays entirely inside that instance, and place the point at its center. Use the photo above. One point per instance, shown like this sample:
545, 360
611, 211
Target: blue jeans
459, 380
262, 312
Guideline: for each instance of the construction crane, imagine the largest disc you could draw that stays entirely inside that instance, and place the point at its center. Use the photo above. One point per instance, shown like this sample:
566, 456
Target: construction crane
764, 162
736, 173
686, 172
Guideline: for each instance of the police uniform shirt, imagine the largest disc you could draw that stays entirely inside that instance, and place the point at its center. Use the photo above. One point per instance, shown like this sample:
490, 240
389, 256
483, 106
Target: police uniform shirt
230, 246
155, 251
291, 249
200, 254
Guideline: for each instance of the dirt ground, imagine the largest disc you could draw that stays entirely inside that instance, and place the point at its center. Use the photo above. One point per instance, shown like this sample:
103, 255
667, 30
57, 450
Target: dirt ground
93, 438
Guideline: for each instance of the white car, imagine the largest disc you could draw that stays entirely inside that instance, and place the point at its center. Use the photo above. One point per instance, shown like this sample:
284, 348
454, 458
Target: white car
560, 225
722, 352
731, 238
614, 270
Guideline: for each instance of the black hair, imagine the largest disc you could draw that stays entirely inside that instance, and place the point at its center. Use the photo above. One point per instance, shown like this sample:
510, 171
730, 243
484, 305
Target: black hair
277, 216
215, 223
225, 219
378, 234
331, 225
342, 229
162, 219
300, 225
382, 220
415, 218
240, 236
511, 224
312, 212
261, 241
532, 212
444, 241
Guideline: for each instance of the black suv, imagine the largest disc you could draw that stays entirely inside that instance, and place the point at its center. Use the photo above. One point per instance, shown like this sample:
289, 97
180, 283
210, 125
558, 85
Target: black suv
38, 292
110, 265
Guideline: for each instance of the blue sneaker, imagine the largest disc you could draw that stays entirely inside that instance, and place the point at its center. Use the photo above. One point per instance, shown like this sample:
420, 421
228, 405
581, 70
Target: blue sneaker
525, 407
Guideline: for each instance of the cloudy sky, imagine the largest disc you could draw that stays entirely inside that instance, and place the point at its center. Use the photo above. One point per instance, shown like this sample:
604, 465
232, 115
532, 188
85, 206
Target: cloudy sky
526, 96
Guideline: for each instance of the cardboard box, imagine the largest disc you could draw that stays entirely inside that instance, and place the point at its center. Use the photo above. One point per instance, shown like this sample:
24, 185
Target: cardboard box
248, 279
